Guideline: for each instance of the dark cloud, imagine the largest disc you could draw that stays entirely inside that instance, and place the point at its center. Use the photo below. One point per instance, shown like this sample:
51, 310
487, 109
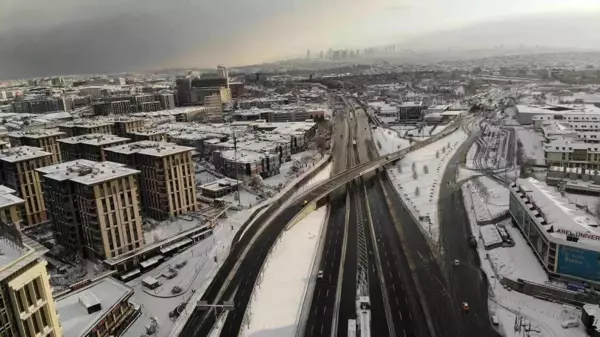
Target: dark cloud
134, 36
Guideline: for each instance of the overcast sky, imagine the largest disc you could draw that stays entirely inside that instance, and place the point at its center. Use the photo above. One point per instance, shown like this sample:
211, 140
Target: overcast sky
40, 37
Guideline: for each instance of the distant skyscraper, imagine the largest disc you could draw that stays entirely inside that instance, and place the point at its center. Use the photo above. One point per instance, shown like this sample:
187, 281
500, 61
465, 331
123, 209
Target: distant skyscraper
321, 54
308, 54
222, 72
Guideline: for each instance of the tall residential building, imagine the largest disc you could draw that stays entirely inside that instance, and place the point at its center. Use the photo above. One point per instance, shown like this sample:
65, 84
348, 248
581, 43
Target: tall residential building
17, 171
79, 128
151, 135
125, 125
88, 146
26, 304
167, 100
168, 181
94, 207
11, 207
45, 139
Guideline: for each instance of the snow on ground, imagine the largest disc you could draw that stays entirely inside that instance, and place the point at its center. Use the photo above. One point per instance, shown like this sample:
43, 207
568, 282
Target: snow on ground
519, 261
205, 177
388, 141
169, 228
402, 129
532, 144
279, 293
192, 277
425, 201
497, 196
308, 158
247, 199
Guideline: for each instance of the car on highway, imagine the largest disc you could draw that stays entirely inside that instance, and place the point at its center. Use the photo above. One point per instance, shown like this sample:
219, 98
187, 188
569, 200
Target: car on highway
320, 274
465, 307
456, 263
304, 202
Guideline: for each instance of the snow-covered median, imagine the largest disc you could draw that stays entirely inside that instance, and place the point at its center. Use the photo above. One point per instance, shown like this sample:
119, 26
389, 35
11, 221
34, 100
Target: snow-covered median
279, 293
417, 178
388, 141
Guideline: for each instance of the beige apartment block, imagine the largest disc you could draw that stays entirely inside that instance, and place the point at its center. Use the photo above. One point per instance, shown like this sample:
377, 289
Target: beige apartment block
88, 146
94, 206
17, 171
79, 128
167, 180
27, 307
126, 125
46, 139
570, 153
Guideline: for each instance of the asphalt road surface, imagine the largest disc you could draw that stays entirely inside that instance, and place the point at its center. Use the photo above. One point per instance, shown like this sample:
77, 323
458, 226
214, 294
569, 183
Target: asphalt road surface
468, 282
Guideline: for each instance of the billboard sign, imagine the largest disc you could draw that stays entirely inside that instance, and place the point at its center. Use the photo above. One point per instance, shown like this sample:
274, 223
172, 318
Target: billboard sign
578, 262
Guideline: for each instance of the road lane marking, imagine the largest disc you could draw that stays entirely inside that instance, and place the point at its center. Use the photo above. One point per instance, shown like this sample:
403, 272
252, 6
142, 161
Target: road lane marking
400, 312
327, 294
404, 332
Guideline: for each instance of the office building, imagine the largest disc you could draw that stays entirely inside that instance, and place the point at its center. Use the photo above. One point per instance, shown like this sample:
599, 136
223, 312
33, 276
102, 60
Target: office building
167, 180
94, 207
45, 139
17, 168
26, 302
88, 146
102, 308
79, 128
564, 238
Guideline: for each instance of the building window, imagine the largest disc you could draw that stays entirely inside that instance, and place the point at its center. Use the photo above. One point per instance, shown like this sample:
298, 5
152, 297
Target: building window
28, 295
36, 288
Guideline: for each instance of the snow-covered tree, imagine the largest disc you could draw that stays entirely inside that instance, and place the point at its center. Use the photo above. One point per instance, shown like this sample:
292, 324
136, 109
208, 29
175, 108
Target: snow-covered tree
425, 169
415, 175
417, 191
437, 154
414, 166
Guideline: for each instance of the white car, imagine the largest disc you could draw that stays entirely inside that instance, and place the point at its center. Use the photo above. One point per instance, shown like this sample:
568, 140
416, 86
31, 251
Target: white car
320, 274
456, 263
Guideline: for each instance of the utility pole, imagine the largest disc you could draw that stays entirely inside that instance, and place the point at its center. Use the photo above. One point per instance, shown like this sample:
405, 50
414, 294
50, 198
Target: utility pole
237, 169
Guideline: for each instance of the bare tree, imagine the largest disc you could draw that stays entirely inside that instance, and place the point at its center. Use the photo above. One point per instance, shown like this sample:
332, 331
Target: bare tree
414, 167
443, 149
417, 191
321, 143
256, 181
399, 167
415, 175
425, 169
437, 154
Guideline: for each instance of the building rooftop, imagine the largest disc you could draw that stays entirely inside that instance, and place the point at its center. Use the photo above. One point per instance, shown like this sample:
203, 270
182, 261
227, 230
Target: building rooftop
8, 197
74, 316
220, 184
150, 148
86, 172
21, 153
562, 218
43, 133
148, 132
15, 253
94, 139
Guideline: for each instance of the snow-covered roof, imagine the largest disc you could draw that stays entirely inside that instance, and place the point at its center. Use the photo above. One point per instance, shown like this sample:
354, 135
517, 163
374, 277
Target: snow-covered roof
21, 153
74, 316
562, 218
490, 235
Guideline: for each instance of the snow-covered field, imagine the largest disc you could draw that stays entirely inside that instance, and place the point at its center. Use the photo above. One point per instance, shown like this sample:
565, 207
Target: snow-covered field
419, 187
519, 262
279, 292
532, 144
388, 141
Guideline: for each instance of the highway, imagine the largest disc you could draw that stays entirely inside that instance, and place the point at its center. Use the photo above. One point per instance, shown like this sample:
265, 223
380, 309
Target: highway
237, 276
468, 282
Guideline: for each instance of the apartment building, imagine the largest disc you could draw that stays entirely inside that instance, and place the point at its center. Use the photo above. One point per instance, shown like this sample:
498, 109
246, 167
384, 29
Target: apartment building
45, 139
148, 135
102, 308
88, 146
79, 128
26, 304
94, 207
150, 106
17, 171
167, 180
123, 126
11, 207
